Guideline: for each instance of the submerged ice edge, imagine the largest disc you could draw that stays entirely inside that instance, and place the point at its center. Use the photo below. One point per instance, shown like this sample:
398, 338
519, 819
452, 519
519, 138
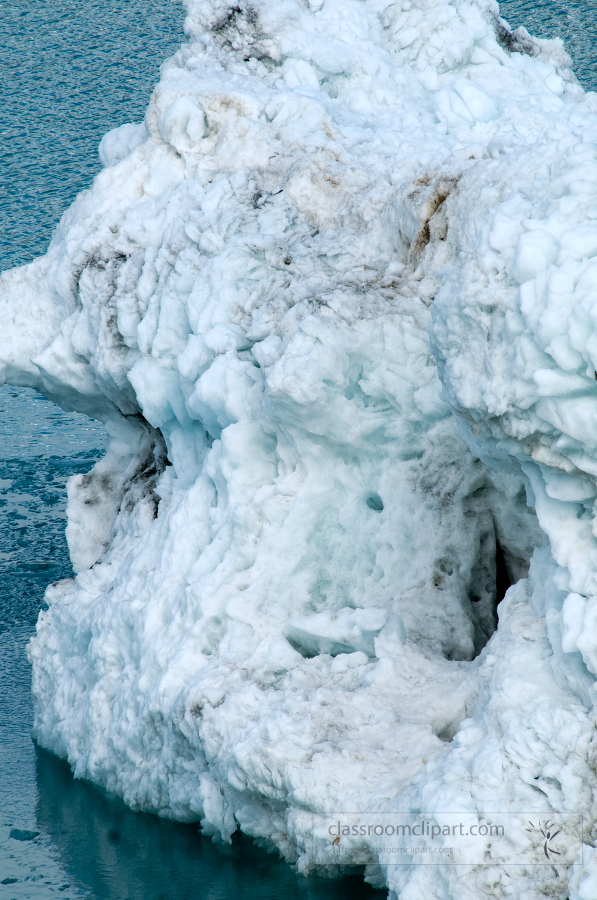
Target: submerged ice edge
291, 557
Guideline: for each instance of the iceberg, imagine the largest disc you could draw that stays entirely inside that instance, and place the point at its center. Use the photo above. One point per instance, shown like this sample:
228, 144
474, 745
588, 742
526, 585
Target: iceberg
335, 303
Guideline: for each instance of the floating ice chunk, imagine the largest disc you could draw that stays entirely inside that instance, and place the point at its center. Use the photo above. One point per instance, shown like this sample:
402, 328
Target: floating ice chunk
120, 142
255, 299
342, 632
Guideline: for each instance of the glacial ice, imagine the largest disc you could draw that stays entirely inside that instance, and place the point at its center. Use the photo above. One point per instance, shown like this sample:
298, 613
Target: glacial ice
335, 303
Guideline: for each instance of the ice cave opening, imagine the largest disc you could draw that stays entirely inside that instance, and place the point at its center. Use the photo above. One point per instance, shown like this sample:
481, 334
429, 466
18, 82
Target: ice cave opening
506, 535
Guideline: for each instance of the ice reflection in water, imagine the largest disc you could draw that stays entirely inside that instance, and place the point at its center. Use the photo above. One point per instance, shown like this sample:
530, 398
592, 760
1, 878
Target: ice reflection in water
40, 446
122, 854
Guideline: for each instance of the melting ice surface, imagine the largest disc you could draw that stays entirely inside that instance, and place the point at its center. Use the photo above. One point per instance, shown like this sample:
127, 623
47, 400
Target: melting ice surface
80, 842
73, 840
290, 558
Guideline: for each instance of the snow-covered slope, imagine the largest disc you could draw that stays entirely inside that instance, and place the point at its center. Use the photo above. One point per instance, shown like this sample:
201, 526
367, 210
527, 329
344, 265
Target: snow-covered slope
290, 558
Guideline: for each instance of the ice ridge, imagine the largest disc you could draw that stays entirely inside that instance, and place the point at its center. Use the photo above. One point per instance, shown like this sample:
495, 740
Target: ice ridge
335, 302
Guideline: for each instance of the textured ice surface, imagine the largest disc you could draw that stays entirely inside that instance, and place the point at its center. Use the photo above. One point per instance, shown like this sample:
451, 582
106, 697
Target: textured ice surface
290, 558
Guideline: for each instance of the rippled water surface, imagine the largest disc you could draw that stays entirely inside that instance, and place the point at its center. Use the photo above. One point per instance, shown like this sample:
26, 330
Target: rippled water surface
69, 71
575, 21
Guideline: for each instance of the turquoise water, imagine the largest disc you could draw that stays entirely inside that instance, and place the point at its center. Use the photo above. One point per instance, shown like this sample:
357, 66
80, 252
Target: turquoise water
71, 70
573, 21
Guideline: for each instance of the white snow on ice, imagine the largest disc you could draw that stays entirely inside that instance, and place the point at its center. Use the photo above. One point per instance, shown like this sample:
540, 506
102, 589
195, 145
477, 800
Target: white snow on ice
336, 303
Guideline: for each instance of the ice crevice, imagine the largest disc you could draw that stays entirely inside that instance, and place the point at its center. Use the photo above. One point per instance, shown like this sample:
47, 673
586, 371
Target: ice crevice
334, 302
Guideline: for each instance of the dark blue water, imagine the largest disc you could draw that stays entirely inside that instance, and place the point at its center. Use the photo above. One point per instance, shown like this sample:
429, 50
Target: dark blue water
69, 71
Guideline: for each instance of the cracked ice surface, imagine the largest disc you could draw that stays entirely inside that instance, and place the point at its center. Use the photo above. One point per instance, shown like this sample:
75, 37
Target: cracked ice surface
286, 600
